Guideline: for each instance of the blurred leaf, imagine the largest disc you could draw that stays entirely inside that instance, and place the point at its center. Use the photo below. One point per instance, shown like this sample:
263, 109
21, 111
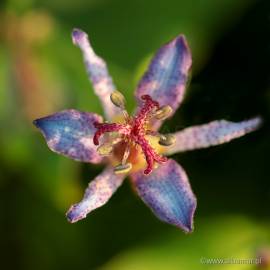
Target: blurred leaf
4, 77
225, 237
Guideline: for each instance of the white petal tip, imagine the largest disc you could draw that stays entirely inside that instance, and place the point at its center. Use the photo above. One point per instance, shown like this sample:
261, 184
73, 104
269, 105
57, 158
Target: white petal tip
73, 215
78, 36
254, 123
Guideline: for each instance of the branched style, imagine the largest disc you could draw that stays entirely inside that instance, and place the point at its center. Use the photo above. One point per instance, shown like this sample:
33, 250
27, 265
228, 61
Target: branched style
133, 133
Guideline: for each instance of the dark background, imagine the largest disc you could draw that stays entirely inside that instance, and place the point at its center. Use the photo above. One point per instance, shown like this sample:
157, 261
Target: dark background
41, 72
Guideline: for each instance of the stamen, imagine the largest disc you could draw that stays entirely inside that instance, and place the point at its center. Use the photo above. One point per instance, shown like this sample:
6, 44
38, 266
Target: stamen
125, 114
105, 149
167, 140
118, 99
126, 155
163, 113
122, 168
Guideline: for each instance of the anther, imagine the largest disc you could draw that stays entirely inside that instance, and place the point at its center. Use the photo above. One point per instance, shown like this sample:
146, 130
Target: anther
167, 140
105, 149
163, 113
122, 168
118, 99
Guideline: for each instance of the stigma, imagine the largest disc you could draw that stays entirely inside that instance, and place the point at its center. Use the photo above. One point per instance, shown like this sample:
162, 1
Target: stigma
131, 135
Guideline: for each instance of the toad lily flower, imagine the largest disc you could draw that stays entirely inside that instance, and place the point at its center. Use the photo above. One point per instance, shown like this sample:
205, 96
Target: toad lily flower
131, 145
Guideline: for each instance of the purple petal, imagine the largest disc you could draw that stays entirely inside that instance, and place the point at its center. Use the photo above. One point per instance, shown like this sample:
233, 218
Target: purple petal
98, 192
167, 74
213, 133
168, 193
70, 133
97, 71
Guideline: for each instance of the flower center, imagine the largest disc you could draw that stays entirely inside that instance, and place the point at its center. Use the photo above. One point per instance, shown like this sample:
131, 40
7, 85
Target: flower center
131, 137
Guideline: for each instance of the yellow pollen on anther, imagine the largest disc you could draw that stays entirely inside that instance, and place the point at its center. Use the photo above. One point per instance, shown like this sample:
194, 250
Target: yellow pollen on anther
167, 140
122, 168
105, 149
118, 99
163, 113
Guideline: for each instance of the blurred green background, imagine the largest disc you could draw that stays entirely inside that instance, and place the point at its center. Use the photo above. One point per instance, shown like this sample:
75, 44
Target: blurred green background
41, 72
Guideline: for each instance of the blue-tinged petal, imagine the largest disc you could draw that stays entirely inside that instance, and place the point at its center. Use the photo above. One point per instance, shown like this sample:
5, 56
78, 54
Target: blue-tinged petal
166, 77
98, 192
97, 71
213, 133
168, 193
70, 133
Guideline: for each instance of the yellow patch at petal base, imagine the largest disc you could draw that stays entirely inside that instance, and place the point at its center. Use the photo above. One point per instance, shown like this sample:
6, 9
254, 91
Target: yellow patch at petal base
140, 163
136, 157
119, 119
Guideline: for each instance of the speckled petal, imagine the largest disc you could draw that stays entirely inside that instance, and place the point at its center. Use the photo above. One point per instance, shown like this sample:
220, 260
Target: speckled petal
97, 71
213, 133
168, 193
167, 74
70, 133
98, 192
